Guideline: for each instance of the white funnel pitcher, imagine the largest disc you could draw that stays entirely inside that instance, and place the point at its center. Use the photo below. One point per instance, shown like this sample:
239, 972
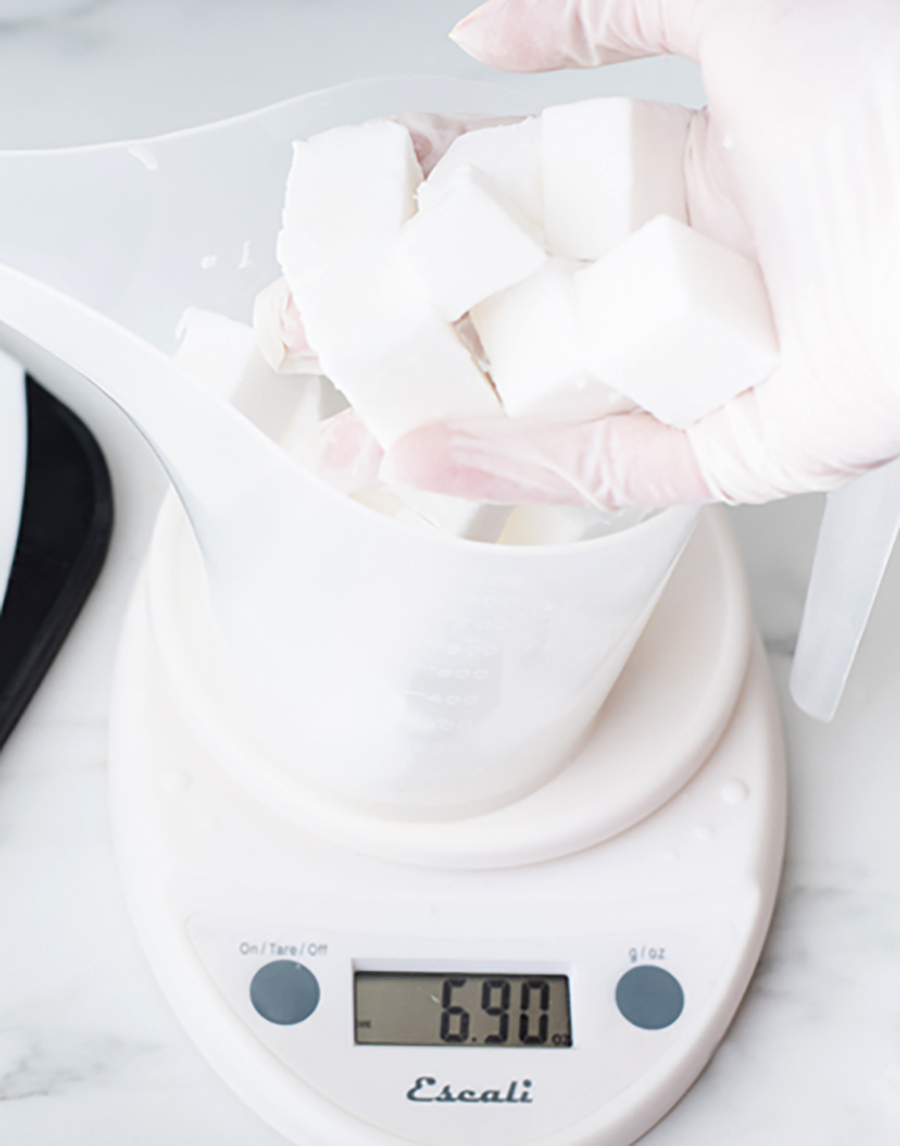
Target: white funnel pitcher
423, 674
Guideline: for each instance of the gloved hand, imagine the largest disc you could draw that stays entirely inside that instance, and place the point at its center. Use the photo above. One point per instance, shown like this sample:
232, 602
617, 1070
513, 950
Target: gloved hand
797, 164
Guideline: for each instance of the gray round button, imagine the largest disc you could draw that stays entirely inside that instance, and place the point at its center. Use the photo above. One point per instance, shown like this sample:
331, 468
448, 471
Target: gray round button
284, 992
649, 997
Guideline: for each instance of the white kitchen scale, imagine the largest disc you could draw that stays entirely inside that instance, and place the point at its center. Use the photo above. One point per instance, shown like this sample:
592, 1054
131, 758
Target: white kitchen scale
556, 971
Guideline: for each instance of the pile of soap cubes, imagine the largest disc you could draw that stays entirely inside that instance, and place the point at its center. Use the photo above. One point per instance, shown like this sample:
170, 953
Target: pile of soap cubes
544, 267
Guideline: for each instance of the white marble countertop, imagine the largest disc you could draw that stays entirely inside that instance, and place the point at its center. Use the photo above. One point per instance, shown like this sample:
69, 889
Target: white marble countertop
89, 1052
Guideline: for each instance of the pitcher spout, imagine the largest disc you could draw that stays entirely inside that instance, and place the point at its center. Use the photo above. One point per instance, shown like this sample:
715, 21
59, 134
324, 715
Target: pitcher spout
214, 456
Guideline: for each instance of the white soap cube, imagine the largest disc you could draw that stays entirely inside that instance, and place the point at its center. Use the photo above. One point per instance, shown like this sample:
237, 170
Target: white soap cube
223, 356
531, 336
279, 331
216, 350
678, 322
566, 524
382, 343
466, 246
384, 501
345, 186
300, 436
475, 520
609, 166
509, 157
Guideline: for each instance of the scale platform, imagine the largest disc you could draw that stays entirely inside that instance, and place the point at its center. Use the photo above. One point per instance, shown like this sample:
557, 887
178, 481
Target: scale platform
558, 971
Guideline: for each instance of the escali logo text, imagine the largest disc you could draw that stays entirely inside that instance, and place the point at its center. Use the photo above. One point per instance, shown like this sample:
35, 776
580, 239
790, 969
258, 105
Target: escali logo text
429, 1090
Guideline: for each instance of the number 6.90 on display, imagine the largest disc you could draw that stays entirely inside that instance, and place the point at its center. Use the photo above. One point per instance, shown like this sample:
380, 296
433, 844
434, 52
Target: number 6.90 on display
412, 1009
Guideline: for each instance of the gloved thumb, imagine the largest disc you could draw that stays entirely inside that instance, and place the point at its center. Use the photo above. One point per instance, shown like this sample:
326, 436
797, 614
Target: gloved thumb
544, 35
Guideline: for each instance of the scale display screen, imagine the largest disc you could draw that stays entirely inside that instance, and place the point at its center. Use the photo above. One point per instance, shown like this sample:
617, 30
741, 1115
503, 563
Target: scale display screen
413, 1009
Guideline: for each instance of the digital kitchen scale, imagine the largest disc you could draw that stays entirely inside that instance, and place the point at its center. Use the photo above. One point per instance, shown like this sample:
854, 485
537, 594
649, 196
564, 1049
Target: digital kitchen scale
556, 971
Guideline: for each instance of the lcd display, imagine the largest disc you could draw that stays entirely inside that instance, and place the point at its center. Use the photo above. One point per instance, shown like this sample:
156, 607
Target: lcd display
458, 1009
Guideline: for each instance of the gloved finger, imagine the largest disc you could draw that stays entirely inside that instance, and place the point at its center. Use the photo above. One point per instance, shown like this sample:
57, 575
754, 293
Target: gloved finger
617, 462
710, 188
779, 437
543, 35
432, 133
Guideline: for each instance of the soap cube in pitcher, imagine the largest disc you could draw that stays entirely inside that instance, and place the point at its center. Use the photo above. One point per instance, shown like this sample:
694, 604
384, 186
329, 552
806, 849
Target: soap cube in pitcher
344, 186
381, 342
217, 351
475, 520
222, 355
609, 166
676, 321
434, 512
382, 500
532, 339
508, 156
566, 524
466, 246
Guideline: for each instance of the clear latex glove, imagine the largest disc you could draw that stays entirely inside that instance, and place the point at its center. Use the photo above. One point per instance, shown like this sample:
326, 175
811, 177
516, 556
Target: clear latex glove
629, 460
344, 453
796, 163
